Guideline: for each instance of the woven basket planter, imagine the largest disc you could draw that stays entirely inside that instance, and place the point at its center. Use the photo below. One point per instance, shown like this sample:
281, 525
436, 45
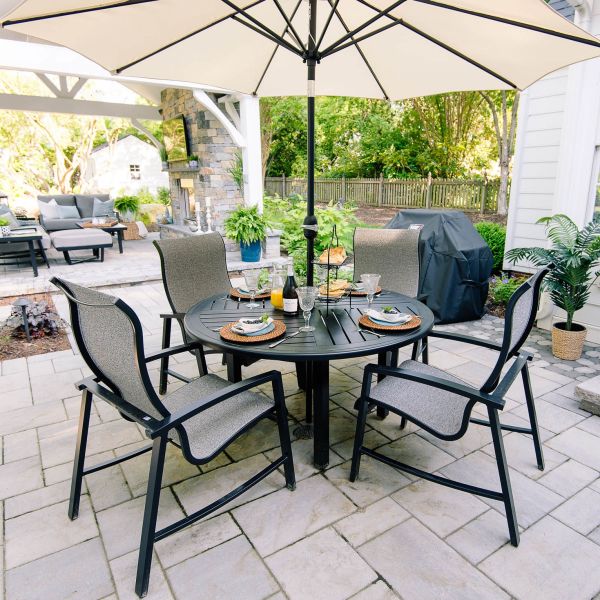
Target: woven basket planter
568, 345
132, 231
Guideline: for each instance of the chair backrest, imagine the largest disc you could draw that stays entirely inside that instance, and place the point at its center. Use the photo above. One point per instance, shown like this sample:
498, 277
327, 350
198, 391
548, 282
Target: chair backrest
518, 321
193, 268
109, 336
393, 253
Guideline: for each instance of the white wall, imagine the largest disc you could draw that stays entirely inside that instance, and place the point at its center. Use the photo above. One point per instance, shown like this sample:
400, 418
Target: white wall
554, 170
108, 169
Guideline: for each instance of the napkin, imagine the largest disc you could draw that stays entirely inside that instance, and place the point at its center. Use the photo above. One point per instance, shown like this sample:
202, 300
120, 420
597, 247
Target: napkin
396, 318
250, 325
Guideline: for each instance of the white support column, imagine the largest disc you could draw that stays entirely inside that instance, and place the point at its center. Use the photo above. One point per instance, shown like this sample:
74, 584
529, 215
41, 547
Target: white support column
251, 153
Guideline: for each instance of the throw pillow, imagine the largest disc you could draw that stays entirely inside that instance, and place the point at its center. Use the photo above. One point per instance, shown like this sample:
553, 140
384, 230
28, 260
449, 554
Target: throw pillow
103, 209
49, 210
68, 212
6, 213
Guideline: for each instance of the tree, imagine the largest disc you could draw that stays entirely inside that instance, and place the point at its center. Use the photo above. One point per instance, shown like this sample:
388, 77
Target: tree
503, 107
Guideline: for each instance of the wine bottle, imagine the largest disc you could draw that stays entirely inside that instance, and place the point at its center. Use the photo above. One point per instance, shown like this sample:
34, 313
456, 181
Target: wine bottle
290, 298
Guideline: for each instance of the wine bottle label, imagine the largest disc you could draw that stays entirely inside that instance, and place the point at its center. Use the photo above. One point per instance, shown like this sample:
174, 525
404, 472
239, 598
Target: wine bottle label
290, 305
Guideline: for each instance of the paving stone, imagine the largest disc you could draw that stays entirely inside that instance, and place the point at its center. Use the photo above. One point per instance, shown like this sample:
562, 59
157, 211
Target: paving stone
106, 487
41, 368
567, 479
580, 445
15, 381
475, 438
67, 363
371, 521
581, 512
30, 417
196, 539
375, 480
263, 436
446, 360
282, 518
45, 531
121, 525
439, 572
442, 509
551, 417
376, 591
31, 501
372, 439
231, 570
13, 366
20, 445
124, 573
15, 399
63, 575
591, 425
566, 402
20, 476
551, 557
595, 536
417, 452
57, 387
320, 567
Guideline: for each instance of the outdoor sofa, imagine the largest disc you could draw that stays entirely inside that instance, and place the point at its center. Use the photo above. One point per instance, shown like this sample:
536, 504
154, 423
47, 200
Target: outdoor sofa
76, 208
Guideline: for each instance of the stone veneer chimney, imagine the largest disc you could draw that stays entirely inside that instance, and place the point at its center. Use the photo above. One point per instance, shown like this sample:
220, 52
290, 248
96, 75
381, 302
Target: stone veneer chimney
216, 156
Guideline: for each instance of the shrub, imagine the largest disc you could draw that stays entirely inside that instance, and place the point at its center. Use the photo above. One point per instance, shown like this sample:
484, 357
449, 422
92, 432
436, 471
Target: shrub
163, 196
145, 196
503, 287
42, 320
495, 237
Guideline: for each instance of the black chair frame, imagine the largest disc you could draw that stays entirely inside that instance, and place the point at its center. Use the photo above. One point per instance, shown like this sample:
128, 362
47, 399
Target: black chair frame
158, 431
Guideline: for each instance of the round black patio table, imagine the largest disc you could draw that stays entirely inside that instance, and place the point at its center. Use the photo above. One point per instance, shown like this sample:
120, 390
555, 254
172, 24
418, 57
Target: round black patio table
336, 336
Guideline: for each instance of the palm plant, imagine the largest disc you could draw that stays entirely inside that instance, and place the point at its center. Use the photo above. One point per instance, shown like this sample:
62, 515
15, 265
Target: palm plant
575, 255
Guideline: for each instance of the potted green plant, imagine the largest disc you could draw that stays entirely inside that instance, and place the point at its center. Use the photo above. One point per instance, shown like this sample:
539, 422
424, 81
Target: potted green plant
128, 206
4, 226
164, 158
164, 197
193, 161
248, 227
575, 255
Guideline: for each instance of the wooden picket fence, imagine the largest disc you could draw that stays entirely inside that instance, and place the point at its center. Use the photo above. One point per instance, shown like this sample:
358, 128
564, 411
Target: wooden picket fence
469, 195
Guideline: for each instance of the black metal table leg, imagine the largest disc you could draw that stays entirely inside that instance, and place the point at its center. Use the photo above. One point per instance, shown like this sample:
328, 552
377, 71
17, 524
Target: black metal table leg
120, 241
43, 252
32, 258
234, 367
321, 413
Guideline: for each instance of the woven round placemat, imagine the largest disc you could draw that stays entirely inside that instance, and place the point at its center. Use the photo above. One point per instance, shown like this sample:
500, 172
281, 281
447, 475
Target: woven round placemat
412, 324
359, 294
231, 336
235, 293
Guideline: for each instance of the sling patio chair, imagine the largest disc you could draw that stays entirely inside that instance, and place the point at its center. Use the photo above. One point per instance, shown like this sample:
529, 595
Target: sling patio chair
441, 403
201, 418
193, 268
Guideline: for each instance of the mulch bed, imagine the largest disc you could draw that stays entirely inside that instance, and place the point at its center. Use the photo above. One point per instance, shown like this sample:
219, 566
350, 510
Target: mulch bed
17, 347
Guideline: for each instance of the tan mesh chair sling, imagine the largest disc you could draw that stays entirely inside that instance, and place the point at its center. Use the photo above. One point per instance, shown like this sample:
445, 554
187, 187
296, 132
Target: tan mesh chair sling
201, 418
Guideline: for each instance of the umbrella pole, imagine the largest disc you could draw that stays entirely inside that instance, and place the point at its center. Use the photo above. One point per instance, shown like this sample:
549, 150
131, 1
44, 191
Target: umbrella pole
310, 222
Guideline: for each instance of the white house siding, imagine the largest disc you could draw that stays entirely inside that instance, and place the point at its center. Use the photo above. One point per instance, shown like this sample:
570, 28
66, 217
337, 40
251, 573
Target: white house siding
554, 170
109, 172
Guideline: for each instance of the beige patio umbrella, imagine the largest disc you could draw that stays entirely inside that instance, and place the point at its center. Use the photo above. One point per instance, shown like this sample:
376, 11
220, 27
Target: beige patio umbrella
369, 48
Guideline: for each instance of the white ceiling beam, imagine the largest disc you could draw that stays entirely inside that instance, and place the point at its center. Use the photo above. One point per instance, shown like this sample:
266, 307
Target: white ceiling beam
203, 98
78, 107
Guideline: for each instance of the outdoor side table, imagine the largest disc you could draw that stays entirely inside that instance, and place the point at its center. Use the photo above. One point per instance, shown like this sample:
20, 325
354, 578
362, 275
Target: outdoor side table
117, 229
336, 336
32, 239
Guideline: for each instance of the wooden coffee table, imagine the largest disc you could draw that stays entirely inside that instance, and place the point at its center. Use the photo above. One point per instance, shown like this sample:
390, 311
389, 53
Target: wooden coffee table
112, 229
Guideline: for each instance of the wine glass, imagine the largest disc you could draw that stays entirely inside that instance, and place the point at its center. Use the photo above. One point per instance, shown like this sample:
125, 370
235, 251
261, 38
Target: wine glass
306, 299
371, 281
251, 278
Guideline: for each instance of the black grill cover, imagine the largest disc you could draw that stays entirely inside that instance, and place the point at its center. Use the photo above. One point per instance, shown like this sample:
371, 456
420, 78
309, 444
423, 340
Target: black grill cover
456, 263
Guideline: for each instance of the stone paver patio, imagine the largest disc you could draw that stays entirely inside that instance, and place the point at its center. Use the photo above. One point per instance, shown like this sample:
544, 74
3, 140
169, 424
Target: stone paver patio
385, 536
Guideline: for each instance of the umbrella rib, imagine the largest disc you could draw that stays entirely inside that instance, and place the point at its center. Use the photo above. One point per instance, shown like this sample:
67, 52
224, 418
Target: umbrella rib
504, 20
327, 23
273, 38
275, 51
78, 11
289, 25
444, 46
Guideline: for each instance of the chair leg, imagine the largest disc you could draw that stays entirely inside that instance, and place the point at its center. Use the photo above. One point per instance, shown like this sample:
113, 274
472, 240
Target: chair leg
361, 421
425, 350
403, 422
150, 513
509, 505
284, 435
535, 432
164, 362
309, 389
201, 361
82, 435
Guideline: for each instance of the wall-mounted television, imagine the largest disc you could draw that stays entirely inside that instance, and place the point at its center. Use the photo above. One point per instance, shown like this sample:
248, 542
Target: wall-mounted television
175, 138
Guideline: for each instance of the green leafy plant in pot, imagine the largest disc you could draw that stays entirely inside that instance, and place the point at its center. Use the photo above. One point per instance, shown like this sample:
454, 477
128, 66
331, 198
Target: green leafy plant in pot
193, 161
164, 158
248, 227
127, 206
575, 255
4, 226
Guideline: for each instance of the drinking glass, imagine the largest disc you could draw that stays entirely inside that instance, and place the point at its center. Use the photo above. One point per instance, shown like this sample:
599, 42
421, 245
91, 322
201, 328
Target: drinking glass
251, 278
371, 281
306, 300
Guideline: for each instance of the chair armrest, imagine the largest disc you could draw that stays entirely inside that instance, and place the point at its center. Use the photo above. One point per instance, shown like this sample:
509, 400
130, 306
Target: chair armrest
180, 416
173, 350
437, 382
172, 316
467, 339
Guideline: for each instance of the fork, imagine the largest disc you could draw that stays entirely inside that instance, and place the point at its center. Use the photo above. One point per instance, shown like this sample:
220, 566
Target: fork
379, 335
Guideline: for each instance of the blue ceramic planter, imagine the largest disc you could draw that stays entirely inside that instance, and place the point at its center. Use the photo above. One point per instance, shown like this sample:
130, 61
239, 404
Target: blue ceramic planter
250, 252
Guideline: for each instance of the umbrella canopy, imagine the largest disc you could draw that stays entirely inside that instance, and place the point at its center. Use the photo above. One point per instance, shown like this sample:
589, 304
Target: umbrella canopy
370, 48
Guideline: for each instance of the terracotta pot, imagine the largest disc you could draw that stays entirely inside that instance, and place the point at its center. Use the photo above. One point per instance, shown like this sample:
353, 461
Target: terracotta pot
568, 345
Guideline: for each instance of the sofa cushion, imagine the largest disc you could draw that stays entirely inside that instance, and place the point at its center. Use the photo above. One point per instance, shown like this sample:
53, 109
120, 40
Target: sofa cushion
80, 238
6, 213
62, 199
68, 212
85, 203
103, 208
49, 210
60, 224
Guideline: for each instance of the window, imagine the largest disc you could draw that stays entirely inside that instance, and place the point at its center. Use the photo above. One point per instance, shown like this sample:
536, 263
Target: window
134, 171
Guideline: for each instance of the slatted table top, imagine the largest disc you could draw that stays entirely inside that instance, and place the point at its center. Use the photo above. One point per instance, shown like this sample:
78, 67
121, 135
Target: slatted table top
336, 334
